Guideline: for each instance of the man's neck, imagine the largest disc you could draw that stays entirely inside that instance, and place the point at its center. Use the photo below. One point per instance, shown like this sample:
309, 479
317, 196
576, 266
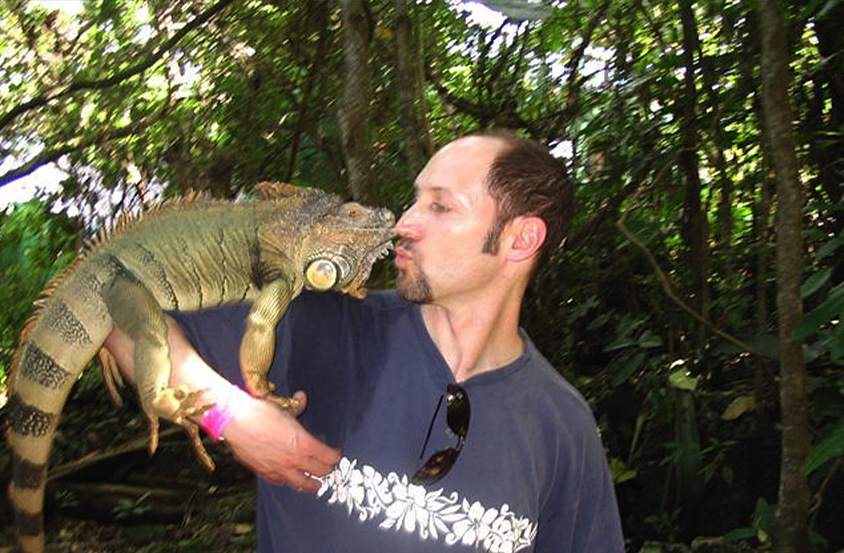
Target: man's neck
475, 337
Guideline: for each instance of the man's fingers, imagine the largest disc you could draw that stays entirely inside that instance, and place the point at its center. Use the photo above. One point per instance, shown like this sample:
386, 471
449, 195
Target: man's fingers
317, 467
318, 452
302, 398
301, 481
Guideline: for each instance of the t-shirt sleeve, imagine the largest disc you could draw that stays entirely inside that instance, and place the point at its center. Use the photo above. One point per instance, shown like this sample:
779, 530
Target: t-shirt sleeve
582, 513
312, 321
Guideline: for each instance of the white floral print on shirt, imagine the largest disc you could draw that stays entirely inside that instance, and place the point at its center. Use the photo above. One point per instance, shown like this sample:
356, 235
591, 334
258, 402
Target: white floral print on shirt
396, 505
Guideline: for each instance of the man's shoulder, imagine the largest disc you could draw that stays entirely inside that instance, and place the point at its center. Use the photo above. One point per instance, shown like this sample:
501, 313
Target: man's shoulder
547, 382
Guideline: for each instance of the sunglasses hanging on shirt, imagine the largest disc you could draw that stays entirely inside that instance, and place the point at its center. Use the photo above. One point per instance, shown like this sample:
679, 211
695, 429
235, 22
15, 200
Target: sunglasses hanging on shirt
458, 413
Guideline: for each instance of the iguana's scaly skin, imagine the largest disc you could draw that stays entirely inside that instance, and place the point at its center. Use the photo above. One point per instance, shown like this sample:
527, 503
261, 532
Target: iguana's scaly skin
183, 256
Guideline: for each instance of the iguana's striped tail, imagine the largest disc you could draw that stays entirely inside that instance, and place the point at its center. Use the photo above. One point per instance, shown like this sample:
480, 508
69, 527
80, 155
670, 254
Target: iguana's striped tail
56, 344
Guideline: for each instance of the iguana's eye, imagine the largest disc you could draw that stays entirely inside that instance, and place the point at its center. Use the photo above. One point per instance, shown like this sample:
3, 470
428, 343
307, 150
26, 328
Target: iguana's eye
352, 210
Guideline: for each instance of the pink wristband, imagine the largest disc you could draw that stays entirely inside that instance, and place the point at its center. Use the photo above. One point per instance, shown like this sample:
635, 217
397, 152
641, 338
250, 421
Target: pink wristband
216, 420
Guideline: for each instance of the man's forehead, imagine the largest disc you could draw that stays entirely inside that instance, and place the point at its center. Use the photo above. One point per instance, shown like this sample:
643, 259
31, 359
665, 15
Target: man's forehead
458, 165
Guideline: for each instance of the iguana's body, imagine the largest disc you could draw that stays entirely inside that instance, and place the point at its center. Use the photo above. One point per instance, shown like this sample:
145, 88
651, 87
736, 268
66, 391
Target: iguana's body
186, 256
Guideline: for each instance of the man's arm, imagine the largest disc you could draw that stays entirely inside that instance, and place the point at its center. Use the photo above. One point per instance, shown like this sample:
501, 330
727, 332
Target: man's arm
264, 438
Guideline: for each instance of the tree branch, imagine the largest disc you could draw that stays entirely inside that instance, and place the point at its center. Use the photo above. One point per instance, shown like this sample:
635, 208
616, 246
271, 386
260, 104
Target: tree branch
318, 58
669, 291
49, 156
573, 66
118, 77
480, 111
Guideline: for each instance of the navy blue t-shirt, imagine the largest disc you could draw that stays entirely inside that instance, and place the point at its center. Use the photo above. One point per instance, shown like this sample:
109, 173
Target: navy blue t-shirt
532, 475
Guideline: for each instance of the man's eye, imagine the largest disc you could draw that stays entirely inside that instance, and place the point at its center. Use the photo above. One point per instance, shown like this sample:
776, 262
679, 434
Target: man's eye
437, 207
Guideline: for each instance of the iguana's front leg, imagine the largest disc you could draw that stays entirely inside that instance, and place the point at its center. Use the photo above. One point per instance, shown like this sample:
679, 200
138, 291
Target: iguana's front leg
258, 346
135, 311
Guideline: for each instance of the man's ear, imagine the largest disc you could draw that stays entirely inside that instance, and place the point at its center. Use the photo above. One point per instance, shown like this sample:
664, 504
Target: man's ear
527, 234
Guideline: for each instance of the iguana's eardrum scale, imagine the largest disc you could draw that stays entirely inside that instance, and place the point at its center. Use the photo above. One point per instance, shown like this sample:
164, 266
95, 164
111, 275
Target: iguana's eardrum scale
185, 255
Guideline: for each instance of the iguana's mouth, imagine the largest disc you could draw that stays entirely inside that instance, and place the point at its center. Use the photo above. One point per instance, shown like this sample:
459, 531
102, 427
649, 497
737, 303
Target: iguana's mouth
380, 251
383, 249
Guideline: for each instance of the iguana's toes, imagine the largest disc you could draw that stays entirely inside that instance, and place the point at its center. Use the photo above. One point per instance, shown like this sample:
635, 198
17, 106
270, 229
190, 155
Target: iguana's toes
290, 404
193, 403
259, 387
196, 441
111, 376
176, 404
153, 434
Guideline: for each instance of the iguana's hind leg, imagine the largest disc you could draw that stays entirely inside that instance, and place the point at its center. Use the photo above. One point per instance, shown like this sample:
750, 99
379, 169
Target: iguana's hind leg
135, 311
258, 346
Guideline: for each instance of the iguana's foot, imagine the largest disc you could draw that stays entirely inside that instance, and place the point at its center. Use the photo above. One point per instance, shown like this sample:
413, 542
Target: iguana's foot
111, 376
177, 405
289, 404
259, 387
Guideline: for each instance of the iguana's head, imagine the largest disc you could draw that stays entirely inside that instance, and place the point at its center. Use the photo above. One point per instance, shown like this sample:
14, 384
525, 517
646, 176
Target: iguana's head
334, 244
343, 244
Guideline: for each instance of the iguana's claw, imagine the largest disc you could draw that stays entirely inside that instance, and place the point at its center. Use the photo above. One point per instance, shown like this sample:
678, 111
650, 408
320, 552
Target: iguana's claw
177, 405
111, 376
261, 388
289, 404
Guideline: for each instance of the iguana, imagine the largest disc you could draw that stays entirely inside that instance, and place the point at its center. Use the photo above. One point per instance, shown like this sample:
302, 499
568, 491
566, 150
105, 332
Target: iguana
184, 255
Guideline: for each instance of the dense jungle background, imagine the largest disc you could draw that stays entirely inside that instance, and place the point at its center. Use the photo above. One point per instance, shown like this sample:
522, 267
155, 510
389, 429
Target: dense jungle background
697, 303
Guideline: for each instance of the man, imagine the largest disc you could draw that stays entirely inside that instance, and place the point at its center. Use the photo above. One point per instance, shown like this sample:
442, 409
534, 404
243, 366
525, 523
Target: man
453, 429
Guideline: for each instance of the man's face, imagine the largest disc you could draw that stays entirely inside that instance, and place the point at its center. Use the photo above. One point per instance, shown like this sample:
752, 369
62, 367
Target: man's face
441, 236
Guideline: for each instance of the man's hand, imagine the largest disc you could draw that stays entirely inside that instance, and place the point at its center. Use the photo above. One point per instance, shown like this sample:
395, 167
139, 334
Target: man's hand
264, 437
269, 441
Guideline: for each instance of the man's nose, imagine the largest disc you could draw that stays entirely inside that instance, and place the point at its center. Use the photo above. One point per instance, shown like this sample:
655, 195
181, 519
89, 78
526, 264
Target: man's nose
409, 223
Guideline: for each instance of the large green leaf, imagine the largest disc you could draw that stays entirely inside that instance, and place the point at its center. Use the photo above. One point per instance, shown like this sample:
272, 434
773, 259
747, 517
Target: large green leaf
828, 310
814, 282
830, 447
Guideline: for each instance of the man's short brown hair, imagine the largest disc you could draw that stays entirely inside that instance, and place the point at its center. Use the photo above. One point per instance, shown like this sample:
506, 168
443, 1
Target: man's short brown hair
526, 180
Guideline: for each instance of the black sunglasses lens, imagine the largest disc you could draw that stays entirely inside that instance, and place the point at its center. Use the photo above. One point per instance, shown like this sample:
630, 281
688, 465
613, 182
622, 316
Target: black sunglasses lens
458, 411
437, 466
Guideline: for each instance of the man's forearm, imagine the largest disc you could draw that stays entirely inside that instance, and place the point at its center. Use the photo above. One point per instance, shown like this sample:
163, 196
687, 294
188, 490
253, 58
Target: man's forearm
187, 367
262, 436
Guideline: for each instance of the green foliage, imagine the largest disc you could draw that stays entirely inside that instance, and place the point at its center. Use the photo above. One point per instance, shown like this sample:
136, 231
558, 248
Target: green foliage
35, 246
761, 523
620, 471
131, 508
829, 447
715, 455
665, 523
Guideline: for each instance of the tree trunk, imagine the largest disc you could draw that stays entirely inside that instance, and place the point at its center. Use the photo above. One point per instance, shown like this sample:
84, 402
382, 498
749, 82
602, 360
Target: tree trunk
762, 377
354, 113
791, 533
695, 220
320, 10
416, 137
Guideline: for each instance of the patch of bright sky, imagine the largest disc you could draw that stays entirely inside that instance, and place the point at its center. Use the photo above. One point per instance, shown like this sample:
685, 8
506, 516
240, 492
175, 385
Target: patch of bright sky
479, 14
70, 7
44, 180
